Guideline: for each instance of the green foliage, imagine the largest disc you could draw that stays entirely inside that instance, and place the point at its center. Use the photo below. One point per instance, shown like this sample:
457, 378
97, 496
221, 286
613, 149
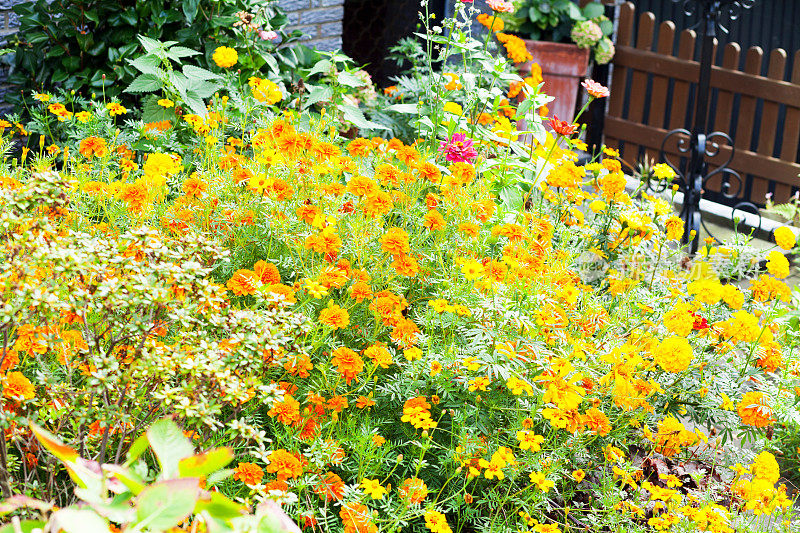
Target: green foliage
86, 45
167, 499
553, 20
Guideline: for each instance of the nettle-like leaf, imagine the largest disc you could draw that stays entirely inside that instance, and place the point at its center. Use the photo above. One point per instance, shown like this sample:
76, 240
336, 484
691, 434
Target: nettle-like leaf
144, 83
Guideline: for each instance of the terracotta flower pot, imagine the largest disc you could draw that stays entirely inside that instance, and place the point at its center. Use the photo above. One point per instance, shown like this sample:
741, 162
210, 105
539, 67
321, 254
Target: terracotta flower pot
564, 66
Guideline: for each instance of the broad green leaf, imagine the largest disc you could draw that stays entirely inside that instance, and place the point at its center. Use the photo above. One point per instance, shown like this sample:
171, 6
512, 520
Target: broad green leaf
140, 445
203, 464
146, 64
320, 93
190, 9
354, 116
144, 83
345, 78
178, 52
321, 67
166, 439
70, 520
592, 10
25, 526
149, 44
198, 73
407, 109
198, 107
53, 445
219, 506
167, 503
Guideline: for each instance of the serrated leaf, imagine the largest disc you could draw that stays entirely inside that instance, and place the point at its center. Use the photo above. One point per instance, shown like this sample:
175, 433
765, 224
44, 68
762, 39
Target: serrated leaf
197, 73
151, 112
319, 93
182, 51
202, 89
149, 44
146, 64
406, 109
356, 117
166, 439
320, 67
345, 78
196, 104
144, 83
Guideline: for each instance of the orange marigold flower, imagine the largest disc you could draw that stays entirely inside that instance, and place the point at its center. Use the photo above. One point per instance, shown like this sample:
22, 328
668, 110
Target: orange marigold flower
414, 490
395, 242
93, 147
357, 518
285, 465
243, 282
348, 363
405, 265
248, 473
754, 410
360, 292
334, 316
267, 272
18, 387
434, 220
331, 487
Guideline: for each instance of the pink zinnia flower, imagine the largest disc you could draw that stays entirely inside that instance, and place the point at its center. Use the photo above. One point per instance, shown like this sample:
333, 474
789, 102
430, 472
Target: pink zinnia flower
458, 149
500, 6
267, 35
595, 89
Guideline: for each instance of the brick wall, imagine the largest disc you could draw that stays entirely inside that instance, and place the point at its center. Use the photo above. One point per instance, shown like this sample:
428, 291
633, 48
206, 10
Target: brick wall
319, 20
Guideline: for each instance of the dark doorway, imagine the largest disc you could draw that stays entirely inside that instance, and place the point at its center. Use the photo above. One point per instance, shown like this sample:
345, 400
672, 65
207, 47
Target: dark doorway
371, 27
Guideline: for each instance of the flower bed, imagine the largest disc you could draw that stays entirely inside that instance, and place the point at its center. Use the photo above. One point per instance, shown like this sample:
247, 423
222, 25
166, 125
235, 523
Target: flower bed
465, 333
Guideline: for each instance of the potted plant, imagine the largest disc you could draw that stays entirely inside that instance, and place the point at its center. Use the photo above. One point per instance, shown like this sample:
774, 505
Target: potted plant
561, 37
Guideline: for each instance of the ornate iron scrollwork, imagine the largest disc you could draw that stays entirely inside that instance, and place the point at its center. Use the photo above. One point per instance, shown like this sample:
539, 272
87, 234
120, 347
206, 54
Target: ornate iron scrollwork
694, 145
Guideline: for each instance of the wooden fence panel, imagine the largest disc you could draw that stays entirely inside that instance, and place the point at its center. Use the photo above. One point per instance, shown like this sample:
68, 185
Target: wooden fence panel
748, 104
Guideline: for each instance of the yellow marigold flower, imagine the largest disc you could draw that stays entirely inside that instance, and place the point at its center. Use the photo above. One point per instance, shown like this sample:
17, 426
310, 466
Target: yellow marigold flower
166, 102
436, 522
264, 90
663, 171
732, 296
578, 475
785, 238
115, 109
225, 57
707, 291
674, 227
765, 467
528, 440
373, 488
454, 108
777, 264
541, 481
673, 354
83, 116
